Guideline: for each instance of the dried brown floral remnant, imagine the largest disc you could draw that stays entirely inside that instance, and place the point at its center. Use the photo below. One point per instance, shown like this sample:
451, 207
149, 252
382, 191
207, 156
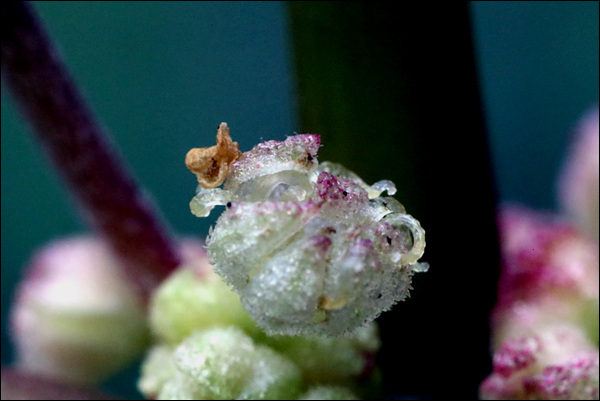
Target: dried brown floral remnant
211, 165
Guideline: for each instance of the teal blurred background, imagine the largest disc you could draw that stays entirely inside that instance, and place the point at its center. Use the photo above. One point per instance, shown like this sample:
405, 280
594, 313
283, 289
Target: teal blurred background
539, 73
161, 77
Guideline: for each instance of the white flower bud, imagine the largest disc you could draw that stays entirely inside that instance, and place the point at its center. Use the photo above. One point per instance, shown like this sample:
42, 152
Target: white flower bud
310, 248
76, 317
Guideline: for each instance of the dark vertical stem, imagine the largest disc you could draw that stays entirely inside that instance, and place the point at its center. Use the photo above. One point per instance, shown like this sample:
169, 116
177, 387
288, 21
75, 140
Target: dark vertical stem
393, 91
81, 150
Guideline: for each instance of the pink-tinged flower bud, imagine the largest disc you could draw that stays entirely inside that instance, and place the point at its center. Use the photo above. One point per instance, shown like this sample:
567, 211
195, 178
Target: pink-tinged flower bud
579, 182
309, 247
76, 317
545, 324
557, 363
549, 275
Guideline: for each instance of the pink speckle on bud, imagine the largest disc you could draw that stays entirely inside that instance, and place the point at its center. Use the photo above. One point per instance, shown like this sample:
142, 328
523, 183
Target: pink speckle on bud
516, 355
296, 153
340, 196
577, 379
321, 242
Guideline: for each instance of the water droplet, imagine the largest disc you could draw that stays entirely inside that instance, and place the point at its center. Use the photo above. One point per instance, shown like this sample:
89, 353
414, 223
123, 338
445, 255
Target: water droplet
420, 267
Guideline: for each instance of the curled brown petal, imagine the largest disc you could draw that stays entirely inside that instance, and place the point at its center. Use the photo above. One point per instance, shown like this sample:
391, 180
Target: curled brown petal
212, 164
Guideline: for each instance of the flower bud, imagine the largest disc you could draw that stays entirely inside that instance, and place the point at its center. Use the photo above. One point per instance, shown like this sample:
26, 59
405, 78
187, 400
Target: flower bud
76, 317
310, 248
192, 299
549, 275
224, 364
545, 325
331, 360
557, 363
157, 369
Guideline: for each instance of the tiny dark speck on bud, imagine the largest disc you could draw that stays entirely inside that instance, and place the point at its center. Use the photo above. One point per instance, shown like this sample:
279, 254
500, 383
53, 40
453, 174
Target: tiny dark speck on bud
345, 193
228, 204
389, 240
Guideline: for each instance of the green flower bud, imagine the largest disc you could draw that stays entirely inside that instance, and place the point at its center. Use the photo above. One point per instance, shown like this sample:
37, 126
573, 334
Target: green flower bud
329, 360
224, 363
192, 299
158, 368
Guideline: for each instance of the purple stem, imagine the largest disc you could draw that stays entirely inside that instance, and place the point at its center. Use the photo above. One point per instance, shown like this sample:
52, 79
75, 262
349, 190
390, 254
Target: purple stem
81, 151
24, 386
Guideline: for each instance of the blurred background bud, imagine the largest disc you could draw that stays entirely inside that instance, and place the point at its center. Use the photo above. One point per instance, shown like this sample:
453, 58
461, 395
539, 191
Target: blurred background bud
549, 275
76, 317
558, 362
579, 181
545, 322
